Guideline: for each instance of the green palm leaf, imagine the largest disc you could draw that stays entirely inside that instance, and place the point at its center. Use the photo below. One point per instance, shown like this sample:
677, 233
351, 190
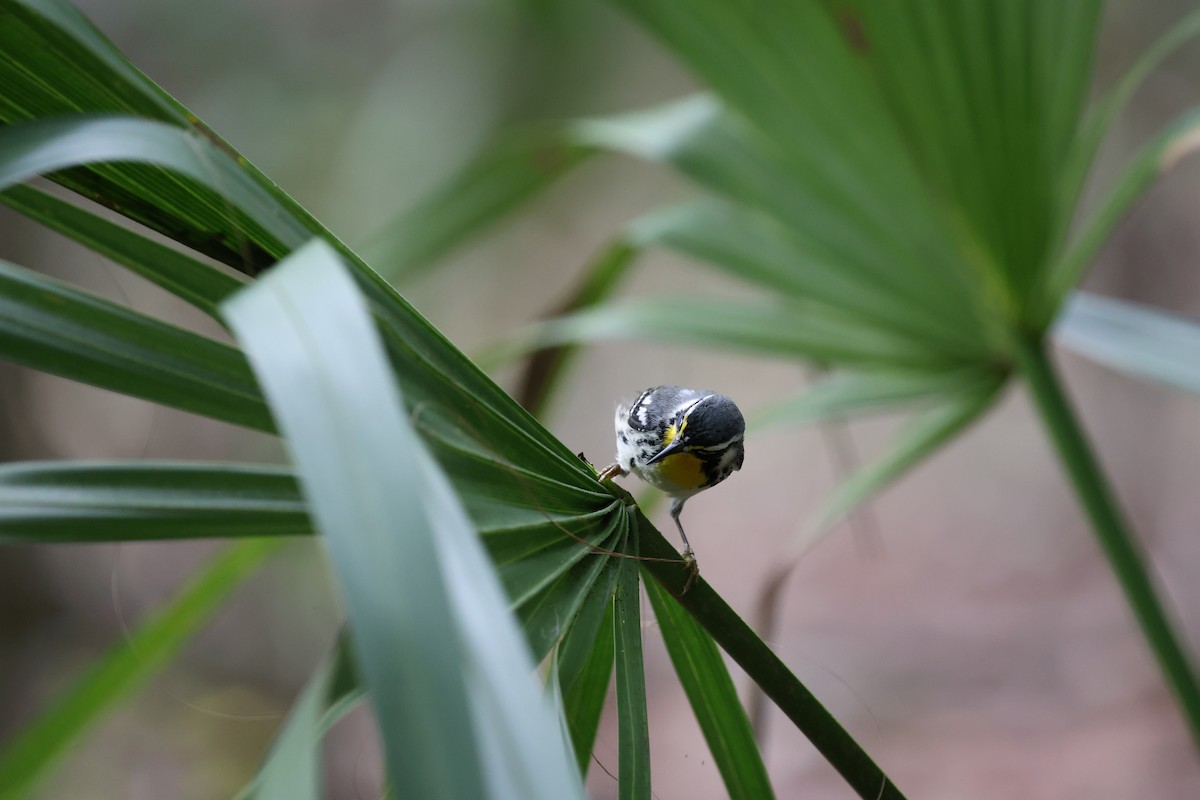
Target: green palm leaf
459, 723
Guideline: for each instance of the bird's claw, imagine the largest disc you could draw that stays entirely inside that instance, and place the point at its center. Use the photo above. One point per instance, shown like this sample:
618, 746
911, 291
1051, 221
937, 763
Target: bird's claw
610, 472
692, 567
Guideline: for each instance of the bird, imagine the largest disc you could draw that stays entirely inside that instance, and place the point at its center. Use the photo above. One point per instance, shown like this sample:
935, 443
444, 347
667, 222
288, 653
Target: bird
681, 441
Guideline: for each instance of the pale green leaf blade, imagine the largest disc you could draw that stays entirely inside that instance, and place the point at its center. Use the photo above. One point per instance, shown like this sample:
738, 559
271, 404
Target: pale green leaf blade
398, 540
849, 394
1138, 340
376, 530
125, 666
913, 444
772, 328
713, 698
293, 766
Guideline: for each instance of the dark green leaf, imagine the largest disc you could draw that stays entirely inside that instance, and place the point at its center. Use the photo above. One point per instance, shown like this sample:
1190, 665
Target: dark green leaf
194, 281
548, 615
176, 164
583, 698
47, 325
577, 647
80, 501
633, 730
713, 698
436, 376
56, 62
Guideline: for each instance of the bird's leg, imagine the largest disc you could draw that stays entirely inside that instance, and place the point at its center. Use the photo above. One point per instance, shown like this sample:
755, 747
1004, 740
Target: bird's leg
689, 557
610, 472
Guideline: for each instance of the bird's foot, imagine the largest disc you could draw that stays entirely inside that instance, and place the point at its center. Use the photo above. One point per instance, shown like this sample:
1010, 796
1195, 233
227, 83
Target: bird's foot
610, 472
692, 567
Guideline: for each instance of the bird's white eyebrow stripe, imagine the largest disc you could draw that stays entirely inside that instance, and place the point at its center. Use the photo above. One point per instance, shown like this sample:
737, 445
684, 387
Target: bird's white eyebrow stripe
722, 445
685, 410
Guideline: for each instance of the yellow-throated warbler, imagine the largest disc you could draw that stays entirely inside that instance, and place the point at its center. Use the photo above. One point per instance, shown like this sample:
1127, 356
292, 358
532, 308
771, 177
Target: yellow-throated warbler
681, 441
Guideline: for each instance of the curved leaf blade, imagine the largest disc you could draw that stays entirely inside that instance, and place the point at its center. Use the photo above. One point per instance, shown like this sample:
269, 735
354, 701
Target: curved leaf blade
1101, 117
46, 146
308, 333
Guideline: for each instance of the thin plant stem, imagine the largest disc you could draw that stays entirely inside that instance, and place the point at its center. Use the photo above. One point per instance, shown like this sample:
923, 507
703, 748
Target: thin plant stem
1115, 535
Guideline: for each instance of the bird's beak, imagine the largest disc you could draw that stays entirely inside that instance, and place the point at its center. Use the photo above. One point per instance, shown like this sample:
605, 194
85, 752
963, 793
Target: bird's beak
673, 447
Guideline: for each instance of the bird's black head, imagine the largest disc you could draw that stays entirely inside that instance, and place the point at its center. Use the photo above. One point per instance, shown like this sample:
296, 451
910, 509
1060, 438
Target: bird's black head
714, 422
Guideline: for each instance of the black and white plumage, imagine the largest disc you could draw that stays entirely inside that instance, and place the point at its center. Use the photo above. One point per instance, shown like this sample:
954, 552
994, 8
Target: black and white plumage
681, 441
